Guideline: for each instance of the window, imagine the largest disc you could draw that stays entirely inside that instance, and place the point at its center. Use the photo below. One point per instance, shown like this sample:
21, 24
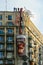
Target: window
0, 23
9, 47
1, 46
10, 30
17, 29
9, 55
9, 61
1, 38
0, 17
1, 31
10, 23
10, 39
9, 17
1, 54
1, 61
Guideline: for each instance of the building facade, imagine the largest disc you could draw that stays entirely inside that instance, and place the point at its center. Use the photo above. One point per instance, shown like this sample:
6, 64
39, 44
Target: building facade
20, 40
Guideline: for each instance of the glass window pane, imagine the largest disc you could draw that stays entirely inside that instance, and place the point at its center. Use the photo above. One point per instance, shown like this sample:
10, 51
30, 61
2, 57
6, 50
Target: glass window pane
1, 61
1, 46
9, 47
9, 62
10, 23
9, 17
10, 39
1, 38
9, 55
1, 54
0, 17
10, 30
1, 31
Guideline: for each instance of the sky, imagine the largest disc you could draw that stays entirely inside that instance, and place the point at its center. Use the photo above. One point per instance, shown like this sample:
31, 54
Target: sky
35, 6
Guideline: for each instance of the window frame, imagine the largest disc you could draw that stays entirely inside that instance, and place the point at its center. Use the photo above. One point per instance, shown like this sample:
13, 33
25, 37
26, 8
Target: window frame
9, 17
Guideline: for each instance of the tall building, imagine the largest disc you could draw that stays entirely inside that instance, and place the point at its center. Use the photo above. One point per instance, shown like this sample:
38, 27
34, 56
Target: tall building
20, 40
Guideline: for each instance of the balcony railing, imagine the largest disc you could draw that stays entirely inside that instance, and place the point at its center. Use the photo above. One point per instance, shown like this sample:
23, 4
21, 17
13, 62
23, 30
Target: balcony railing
11, 62
9, 41
10, 34
10, 49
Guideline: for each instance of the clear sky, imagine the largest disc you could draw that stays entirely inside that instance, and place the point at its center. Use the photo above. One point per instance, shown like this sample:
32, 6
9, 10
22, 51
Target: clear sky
35, 6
